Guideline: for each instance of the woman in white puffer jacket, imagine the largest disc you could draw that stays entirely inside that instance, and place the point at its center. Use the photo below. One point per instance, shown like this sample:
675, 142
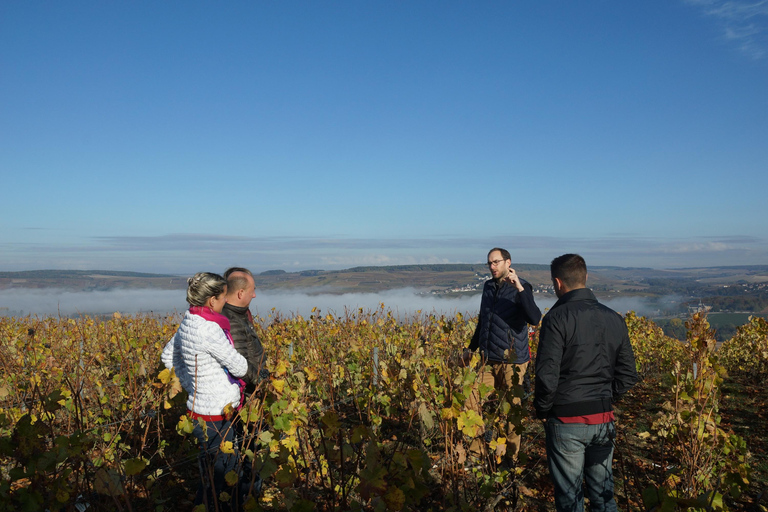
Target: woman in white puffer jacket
207, 365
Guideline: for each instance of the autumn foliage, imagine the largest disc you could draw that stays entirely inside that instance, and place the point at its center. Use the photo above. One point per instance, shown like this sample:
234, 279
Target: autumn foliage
363, 411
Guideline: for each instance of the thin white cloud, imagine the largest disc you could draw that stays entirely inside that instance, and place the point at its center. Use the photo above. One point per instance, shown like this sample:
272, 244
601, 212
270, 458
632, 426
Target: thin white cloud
696, 247
744, 23
187, 253
739, 11
379, 260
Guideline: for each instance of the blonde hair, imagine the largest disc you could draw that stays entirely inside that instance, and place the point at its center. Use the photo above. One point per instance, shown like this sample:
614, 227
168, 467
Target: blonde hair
204, 285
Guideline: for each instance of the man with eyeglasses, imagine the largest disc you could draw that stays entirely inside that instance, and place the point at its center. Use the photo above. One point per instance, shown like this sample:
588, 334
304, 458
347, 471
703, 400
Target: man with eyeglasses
501, 335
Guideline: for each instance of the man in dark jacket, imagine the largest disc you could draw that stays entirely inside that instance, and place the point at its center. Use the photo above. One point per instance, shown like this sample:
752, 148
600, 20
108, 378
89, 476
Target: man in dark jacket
501, 336
584, 363
241, 289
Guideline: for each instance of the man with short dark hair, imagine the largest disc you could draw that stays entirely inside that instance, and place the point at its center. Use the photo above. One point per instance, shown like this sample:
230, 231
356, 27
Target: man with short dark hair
501, 336
241, 289
584, 363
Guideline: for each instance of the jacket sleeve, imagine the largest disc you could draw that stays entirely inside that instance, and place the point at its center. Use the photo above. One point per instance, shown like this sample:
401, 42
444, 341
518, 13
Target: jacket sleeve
254, 353
475, 343
221, 350
531, 310
548, 358
248, 344
167, 355
625, 370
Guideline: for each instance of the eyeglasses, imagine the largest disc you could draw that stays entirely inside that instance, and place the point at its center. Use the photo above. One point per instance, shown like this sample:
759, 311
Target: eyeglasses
494, 263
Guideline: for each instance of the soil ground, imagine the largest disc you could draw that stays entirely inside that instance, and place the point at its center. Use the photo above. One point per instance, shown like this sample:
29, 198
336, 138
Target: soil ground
743, 409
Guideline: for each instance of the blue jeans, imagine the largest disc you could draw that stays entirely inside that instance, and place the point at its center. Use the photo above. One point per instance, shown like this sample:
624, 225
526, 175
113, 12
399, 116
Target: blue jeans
214, 464
580, 453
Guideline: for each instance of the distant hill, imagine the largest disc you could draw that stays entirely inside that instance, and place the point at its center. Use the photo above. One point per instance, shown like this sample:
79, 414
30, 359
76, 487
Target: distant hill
440, 267
667, 295
89, 280
726, 288
70, 274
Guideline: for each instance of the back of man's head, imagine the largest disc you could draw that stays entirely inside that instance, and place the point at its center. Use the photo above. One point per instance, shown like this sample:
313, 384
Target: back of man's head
237, 279
571, 270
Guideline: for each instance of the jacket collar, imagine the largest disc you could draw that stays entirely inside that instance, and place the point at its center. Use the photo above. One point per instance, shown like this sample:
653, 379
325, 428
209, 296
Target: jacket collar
575, 295
237, 309
499, 284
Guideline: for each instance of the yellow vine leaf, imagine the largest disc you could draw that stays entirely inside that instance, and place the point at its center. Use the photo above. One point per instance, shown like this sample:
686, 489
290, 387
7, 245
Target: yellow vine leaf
278, 384
395, 499
231, 478
62, 496
290, 442
164, 376
470, 422
281, 369
185, 425
310, 373
135, 466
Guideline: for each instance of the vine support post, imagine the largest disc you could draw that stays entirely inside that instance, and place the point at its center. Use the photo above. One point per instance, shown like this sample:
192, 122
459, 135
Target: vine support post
375, 366
81, 385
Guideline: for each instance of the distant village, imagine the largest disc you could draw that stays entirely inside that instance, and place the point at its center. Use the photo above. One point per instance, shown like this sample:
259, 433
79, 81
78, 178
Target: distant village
477, 286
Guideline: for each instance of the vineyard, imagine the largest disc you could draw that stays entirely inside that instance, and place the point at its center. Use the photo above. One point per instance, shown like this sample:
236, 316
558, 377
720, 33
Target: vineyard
364, 411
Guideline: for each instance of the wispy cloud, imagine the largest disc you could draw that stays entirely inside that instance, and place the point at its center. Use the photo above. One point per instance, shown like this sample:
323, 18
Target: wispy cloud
184, 253
744, 23
696, 247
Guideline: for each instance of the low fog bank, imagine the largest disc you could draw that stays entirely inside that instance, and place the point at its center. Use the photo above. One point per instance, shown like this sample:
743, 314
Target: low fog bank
403, 302
53, 301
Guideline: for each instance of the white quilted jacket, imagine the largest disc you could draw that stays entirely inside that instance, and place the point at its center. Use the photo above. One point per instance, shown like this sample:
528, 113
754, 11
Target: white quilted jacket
209, 389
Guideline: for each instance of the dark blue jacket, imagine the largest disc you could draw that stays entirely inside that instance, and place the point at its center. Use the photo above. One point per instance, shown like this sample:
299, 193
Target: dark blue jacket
502, 324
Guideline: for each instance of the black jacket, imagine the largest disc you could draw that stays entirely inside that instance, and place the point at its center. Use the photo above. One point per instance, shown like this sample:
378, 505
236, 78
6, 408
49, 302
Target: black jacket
585, 361
502, 325
246, 341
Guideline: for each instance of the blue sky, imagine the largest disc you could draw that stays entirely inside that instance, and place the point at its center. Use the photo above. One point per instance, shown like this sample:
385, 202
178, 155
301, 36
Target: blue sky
185, 136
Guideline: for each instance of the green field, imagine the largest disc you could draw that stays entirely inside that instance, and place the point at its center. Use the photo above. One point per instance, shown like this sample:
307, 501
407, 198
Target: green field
722, 319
